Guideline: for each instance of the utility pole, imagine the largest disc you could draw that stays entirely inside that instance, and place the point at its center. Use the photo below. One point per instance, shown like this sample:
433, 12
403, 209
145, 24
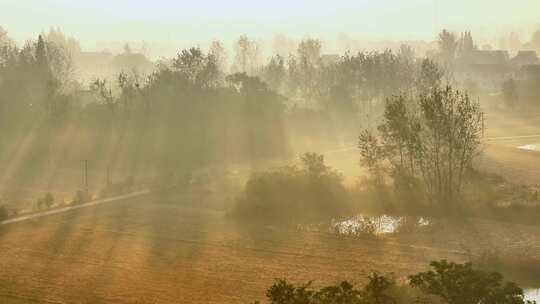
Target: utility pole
108, 175
482, 117
86, 175
483, 125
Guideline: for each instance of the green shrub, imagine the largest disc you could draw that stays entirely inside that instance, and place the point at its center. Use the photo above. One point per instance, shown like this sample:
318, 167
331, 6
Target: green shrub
45, 202
461, 284
448, 283
291, 195
377, 291
48, 199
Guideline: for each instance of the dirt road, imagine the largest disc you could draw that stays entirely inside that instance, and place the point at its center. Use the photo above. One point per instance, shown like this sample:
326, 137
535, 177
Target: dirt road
70, 208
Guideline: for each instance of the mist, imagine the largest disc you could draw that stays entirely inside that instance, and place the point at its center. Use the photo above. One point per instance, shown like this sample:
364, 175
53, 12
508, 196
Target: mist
305, 152
170, 26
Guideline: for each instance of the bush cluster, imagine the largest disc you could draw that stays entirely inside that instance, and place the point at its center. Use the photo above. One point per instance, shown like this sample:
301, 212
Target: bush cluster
447, 282
290, 195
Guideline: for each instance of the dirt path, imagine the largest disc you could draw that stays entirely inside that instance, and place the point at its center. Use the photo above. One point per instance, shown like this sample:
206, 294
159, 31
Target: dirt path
69, 208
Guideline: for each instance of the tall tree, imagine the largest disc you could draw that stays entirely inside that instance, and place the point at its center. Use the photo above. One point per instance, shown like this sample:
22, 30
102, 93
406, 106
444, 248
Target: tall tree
309, 52
274, 73
309, 62
4, 38
218, 51
247, 55
466, 44
41, 52
456, 283
197, 67
432, 138
448, 45
430, 76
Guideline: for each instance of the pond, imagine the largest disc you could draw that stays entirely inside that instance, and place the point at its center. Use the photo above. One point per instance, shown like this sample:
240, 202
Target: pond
383, 224
530, 147
532, 295
368, 225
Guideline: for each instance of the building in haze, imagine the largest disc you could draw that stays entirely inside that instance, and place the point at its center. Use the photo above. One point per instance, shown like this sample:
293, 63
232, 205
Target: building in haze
487, 69
524, 58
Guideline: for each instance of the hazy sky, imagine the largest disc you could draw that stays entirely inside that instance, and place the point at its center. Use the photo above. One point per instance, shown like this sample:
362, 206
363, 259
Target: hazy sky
202, 20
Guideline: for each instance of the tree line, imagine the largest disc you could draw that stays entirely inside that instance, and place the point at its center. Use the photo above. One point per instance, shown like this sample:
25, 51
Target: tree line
447, 282
192, 110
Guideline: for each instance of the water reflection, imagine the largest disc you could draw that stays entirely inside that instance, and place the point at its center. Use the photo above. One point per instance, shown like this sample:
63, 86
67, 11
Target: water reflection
532, 295
370, 225
383, 224
531, 147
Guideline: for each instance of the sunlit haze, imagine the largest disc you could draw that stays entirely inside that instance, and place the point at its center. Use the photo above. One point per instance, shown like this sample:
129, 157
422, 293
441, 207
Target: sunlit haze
196, 22
270, 151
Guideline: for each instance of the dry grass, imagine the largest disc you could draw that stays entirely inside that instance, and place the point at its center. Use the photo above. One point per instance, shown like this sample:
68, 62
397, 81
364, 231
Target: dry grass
181, 249
162, 251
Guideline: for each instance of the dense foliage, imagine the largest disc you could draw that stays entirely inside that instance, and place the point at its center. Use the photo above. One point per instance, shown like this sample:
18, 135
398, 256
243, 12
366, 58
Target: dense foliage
191, 111
377, 291
450, 283
293, 194
184, 115
461, 284
426, 144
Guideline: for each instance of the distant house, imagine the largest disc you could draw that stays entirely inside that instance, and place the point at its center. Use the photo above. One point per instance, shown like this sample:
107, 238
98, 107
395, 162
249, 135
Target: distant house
524, 58
528, 79
530, 72
485, 57
488, 69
